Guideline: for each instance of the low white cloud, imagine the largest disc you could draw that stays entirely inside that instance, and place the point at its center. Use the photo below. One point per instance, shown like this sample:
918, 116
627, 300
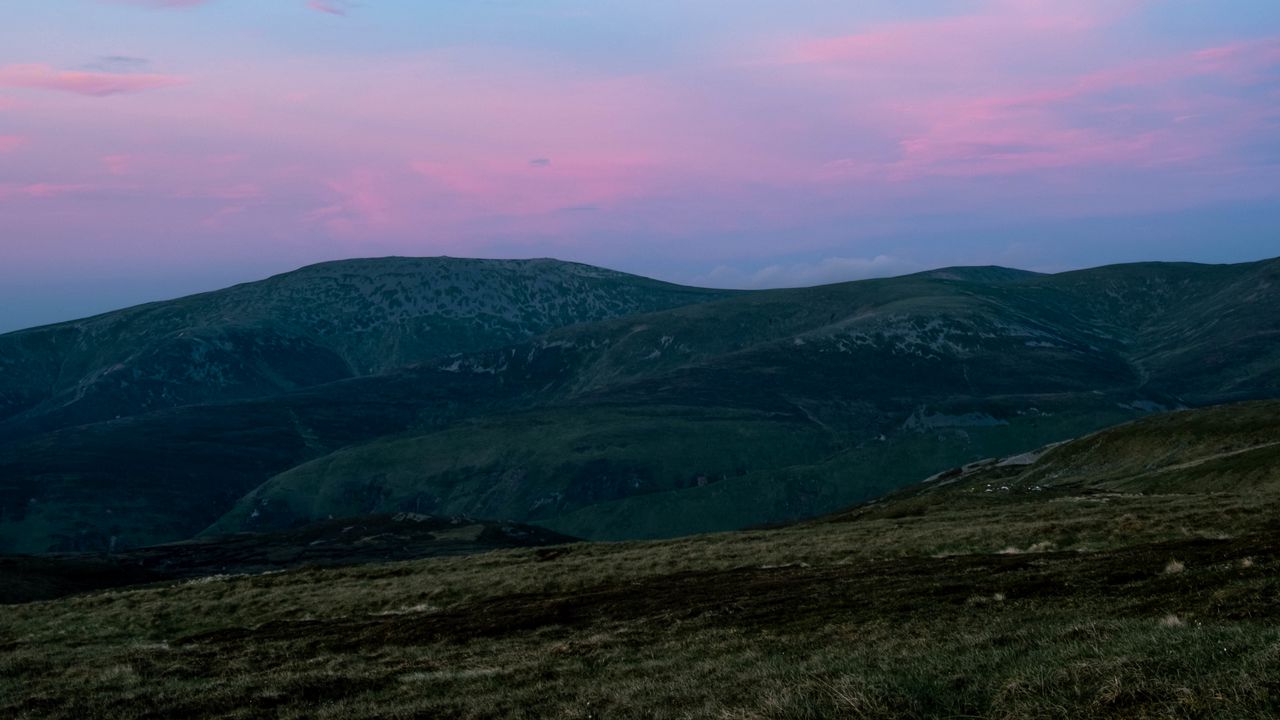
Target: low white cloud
803, 274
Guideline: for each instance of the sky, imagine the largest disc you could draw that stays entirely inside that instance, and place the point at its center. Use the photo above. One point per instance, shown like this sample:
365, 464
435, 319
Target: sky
154, 148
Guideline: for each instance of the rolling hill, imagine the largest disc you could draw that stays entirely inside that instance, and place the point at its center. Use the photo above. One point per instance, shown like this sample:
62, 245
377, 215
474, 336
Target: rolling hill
744, 409
1209, 472
778, 405
315, 325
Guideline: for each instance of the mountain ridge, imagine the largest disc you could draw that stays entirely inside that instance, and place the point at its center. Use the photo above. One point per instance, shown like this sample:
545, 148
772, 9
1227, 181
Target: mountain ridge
810, 398
317, 324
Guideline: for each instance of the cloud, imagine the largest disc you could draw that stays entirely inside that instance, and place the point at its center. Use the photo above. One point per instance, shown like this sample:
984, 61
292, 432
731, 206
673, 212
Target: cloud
1137, 114
331, 7
1021, 88
97, 84
459, 179
117, 164
729, 155
238, 191
118, 64
9, 143
805, 274
38, 190
360, 201
959, 42
162, 3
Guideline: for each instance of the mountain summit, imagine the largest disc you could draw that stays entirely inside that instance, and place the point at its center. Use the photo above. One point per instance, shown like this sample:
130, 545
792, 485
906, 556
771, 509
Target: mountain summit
322, 323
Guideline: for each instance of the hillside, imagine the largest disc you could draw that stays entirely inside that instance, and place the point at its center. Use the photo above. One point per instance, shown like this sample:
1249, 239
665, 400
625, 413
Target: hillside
166, 475
315, 325
343, 541
779, 405
1122, 587
756, 408
1219, 465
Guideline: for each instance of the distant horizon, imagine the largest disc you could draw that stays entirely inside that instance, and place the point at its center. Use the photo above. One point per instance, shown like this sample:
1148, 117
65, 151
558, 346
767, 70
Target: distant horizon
5, 329
156, 148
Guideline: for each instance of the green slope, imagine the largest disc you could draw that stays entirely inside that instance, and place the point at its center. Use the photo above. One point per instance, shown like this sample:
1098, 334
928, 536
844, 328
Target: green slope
1212, 469
884, 381
315, 325
536, 465
165, 475
785, 403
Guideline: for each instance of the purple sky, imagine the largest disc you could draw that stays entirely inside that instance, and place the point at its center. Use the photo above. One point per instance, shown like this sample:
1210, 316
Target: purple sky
151, 148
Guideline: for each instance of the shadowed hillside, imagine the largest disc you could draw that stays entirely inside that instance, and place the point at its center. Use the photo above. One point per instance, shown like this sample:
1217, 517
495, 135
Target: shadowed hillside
783, 404
344, 541
757, 408
1211, 460
315, 325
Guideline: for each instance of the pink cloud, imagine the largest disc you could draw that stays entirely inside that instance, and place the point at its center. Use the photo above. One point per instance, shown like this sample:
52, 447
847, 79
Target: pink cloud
117, 164
438, 165
1049, 128
1007, 89
463, 180
38, 190
97, 84
331, 7
448, 199
1250, 61
185, 175
220, 218
361, 201
239, 199
521, 188
420, 151
997, 29
9, 143
238, 191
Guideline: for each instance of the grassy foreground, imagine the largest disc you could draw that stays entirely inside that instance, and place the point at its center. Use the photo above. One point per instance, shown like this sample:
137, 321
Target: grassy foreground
1058, 597
786, 624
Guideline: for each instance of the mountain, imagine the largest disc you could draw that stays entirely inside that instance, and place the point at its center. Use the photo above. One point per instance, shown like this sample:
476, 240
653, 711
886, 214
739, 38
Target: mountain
778, 405
316, 325
751, 408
